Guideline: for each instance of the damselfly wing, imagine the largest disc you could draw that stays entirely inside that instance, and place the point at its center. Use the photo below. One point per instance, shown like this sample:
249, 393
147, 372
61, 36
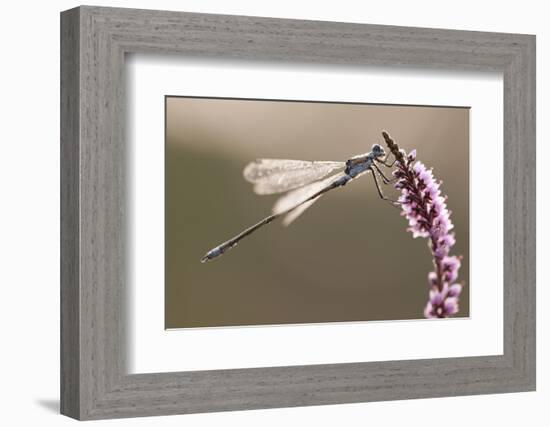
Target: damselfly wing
295, 198
271, 176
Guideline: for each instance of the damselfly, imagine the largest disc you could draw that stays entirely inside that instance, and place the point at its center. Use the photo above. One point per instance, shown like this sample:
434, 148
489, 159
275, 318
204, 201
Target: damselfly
303, 182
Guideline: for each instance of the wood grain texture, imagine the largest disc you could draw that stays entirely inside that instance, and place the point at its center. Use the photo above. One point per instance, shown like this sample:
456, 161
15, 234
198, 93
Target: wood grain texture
94, 382
70, 221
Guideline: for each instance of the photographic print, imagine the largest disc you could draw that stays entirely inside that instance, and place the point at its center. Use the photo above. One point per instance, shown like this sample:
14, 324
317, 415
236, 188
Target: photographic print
298, 212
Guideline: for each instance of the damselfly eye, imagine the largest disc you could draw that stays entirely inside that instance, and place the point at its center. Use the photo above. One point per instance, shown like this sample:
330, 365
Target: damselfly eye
377, 149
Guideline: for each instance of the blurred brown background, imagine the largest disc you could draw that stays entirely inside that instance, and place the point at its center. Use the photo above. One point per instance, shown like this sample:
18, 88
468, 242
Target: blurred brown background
347, 258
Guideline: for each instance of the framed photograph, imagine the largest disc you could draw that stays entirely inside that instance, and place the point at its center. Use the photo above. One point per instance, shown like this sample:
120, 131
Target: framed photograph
262, 213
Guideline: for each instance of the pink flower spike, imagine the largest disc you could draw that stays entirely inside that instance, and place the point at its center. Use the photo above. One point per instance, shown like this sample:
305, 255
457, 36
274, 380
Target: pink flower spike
429, 311
454, 290
425, 209
450, 306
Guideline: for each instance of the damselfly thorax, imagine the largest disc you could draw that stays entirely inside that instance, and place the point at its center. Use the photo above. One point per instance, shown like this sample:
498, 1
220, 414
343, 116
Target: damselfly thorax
359, 164
303, 183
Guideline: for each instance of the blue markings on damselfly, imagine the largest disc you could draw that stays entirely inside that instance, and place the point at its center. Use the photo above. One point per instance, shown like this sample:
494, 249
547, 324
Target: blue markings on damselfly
304, 182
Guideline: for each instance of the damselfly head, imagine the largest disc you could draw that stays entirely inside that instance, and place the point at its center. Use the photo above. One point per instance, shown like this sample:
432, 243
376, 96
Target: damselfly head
377, 150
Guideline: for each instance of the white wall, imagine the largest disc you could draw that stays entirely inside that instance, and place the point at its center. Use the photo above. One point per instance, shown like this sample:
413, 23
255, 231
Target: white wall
29, 225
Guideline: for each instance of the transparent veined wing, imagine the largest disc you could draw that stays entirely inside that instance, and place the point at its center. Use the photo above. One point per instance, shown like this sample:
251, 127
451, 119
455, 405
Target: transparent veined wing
295, 198
295, 213
271, 176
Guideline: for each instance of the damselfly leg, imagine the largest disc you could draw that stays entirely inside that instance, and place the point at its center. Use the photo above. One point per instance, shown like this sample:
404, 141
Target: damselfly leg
394, 203
384, 177
385, 161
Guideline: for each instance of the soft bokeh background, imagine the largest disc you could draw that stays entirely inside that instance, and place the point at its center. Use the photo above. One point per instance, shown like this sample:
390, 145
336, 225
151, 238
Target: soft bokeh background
347, 258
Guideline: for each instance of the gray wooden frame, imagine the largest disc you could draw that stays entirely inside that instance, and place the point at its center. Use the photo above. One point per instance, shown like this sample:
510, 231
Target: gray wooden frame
94, 41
